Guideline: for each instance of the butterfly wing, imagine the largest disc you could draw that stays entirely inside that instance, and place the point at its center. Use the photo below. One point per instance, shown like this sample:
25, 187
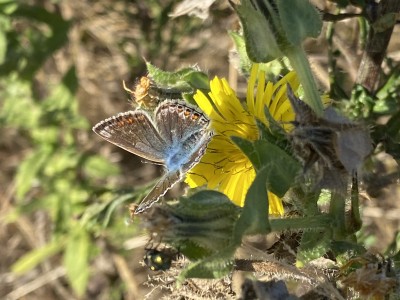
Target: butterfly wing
135, 132
167, 181
177, 120
178, 138
172, 177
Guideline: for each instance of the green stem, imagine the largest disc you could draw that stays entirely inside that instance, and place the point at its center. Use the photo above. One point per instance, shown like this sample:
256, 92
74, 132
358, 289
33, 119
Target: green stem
311, 222
337, 211
300, 64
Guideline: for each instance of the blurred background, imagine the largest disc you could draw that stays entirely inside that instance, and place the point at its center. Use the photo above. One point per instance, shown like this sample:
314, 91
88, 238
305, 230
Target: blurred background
64, 191
65, 230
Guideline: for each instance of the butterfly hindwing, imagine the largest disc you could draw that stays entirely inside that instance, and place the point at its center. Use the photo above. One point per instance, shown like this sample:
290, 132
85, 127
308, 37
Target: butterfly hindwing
183, 120
167, 181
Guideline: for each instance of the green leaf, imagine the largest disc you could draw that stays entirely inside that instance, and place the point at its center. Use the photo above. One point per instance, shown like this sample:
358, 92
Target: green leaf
96, 166
313, 245
360, 104
174, 80
345, 249
193, 251
8, 6
207, 204
249, 149
197, 80
29, 169
206, 219
214, 266
3, 45
113, 205
387, 95
281, 167
76, 258
254, 218
36, 256
60, 162
299, 19
40, 46
62, 97
260, 35
18, 108
240, 45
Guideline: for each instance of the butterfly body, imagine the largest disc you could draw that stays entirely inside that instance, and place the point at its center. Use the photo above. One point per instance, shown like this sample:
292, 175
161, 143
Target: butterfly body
176, 136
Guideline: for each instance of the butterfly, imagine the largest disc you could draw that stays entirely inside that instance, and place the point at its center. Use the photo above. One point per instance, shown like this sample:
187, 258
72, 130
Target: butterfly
175, 136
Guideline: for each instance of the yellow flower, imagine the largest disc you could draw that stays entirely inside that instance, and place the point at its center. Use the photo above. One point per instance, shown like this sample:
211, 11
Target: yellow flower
224, 166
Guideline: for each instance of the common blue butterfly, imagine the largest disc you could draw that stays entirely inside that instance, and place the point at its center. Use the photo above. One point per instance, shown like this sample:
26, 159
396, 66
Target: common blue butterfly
176, 136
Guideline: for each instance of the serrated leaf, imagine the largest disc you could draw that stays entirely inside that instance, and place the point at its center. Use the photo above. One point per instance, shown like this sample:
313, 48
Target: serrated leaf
36, 256
171, 79
299, 19
76, 260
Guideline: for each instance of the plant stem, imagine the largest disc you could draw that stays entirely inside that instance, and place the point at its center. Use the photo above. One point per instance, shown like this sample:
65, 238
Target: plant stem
311, 222
300, 64
337, 211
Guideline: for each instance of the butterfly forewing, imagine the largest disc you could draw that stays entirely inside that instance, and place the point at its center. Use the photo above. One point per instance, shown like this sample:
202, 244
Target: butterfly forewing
135, 132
